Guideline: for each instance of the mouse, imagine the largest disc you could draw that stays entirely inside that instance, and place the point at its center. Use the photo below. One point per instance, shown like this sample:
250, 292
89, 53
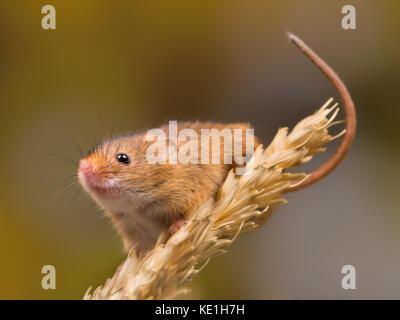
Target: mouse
144, 198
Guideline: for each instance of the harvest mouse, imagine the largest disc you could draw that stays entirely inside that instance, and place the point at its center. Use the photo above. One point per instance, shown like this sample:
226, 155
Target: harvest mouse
143, 198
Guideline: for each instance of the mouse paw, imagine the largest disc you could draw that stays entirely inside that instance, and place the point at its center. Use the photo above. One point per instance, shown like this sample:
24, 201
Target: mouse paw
175, 226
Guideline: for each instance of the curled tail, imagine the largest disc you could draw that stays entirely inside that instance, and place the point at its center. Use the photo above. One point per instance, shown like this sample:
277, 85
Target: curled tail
349, 109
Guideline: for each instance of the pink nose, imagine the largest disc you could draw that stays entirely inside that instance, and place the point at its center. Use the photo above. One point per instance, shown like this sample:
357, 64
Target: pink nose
88, 171
86, 168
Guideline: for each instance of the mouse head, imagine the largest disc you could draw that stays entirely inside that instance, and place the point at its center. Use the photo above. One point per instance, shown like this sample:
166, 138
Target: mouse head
134, 171
114, 172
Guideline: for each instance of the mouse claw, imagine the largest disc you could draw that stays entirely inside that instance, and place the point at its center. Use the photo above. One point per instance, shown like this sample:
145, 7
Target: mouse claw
176, 226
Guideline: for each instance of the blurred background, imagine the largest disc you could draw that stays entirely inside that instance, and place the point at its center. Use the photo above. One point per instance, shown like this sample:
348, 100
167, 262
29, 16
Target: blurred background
140, 63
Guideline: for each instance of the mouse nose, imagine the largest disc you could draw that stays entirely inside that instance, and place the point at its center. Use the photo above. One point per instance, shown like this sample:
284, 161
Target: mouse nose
86, 168
88, 173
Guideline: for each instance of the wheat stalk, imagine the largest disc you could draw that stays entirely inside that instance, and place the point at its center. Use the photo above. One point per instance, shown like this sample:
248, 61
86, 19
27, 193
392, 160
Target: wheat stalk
242, 204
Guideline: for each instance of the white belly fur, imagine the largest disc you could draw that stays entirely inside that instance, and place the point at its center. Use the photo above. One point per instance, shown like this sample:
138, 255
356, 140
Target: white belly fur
139, 222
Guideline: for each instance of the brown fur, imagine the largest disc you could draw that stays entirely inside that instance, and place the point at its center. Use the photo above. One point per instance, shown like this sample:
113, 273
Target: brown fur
163, 192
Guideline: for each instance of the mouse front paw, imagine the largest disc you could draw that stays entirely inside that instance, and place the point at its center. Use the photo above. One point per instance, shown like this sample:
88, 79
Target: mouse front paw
175, 226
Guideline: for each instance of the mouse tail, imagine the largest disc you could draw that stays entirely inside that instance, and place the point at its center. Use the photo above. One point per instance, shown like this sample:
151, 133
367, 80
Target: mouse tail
350, 116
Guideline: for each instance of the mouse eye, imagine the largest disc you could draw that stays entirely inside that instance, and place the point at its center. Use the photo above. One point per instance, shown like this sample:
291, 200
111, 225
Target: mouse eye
123, 158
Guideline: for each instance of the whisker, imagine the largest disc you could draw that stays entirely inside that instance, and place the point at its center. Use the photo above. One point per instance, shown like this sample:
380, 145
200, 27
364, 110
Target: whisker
75, 194
67, 159
58, 193
111, 135
78, 148
92, 142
